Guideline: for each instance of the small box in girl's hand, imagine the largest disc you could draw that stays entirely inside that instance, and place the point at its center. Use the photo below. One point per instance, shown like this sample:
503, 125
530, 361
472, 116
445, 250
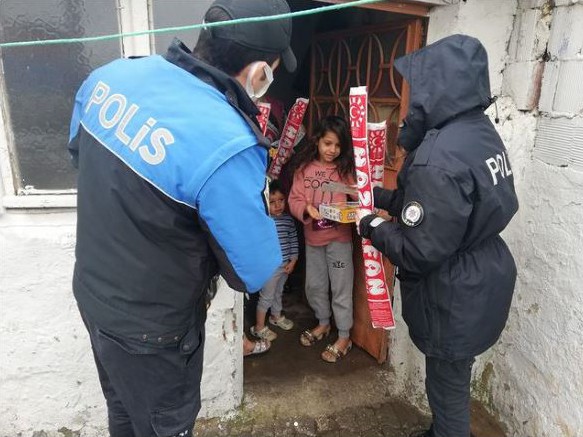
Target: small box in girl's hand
342, 212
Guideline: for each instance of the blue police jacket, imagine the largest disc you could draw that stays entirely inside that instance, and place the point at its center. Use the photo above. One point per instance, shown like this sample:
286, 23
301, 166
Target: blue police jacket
170, 192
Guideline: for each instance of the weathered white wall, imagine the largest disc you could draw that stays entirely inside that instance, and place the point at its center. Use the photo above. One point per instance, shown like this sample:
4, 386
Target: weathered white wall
222, 381
490, 21
48, 379
532, 379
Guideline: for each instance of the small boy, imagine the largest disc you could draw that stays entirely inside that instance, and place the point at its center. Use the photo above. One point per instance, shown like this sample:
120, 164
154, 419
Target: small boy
270, 296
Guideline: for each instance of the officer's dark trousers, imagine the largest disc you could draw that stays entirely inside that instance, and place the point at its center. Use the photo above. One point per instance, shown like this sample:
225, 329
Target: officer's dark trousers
150, 392
448, 390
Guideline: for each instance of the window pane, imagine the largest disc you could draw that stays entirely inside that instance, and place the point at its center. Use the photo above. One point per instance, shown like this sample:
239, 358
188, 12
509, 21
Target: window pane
41, 81
171, 13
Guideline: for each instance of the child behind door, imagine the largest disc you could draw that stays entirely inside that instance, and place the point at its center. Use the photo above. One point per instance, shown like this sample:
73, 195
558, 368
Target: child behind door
270, 297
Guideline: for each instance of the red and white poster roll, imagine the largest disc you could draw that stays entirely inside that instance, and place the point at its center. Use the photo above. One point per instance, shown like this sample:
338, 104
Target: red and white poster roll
288, 136
379, 300
263, 117
377, 140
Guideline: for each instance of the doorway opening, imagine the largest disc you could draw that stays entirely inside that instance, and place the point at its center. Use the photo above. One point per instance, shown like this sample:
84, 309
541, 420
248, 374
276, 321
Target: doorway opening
335, 51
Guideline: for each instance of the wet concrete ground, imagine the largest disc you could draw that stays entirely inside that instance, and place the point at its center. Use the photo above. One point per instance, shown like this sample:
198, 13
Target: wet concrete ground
291, 391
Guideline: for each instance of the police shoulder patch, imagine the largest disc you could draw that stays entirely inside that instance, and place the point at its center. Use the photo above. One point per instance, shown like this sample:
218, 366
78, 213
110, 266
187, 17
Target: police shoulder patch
412, 214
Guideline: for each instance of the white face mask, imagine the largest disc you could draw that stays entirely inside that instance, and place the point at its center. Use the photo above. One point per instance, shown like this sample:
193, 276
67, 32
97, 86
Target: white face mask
257, 94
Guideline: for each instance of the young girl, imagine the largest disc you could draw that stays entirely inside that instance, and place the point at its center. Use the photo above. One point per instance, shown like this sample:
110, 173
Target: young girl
328, 244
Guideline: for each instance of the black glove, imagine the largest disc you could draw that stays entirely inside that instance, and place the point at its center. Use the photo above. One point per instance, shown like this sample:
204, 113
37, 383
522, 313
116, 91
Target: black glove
364, 228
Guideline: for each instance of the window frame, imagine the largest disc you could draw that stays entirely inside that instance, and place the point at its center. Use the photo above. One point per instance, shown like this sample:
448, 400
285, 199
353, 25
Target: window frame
133, 16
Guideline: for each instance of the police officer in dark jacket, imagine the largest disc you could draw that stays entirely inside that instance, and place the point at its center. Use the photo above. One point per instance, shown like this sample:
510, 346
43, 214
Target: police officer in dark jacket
455, 196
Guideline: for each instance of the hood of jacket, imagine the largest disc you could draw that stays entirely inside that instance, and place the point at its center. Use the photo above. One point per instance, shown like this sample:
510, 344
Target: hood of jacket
446, 79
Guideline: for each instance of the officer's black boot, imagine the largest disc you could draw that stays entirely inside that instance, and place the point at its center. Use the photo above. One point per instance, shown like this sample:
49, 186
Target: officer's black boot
426, 433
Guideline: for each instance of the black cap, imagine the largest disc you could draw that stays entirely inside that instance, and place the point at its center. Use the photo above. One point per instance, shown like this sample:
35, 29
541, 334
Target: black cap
266, 36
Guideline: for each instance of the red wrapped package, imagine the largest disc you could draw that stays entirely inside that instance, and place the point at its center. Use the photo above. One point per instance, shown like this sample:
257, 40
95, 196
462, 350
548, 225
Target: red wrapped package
379, 300
263, 118
288, 137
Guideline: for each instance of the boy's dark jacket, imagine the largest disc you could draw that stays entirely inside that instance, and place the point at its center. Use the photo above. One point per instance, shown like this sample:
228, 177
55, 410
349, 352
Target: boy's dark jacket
457, 274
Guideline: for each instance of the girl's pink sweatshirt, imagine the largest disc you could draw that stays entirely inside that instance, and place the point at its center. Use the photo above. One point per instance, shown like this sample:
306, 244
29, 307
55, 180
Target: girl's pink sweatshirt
307, 188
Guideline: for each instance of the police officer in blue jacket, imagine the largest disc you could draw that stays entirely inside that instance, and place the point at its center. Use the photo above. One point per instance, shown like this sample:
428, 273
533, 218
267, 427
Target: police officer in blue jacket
455, 195
171, 193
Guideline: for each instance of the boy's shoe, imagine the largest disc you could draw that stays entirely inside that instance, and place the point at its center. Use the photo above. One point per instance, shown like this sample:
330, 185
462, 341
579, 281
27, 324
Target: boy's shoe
282, 322
264, 334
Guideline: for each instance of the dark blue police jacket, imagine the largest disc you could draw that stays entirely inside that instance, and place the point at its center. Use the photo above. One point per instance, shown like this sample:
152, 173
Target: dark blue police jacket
170, 193
455, 195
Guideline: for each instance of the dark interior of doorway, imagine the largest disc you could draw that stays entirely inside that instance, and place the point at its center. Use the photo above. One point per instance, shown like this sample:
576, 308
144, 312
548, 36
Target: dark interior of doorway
287, 357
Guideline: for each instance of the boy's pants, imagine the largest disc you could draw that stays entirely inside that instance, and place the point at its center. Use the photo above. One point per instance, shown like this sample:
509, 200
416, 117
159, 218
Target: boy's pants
448, 391
150, 392
272, 292
325, 265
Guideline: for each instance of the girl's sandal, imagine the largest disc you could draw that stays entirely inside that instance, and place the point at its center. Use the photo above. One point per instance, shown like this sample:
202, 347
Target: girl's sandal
332, 354
307, 338
259, 347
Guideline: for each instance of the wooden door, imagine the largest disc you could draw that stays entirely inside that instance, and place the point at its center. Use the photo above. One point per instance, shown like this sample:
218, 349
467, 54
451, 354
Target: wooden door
356, 57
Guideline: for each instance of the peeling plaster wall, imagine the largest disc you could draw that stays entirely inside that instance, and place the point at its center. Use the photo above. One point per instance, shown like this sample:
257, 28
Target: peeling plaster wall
491, 21
532, 379
407, 364
48, 379
222, 380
